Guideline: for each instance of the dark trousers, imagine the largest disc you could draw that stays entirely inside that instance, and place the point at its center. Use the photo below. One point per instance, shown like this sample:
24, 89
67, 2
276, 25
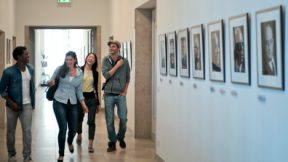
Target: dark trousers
92, 106
66, 114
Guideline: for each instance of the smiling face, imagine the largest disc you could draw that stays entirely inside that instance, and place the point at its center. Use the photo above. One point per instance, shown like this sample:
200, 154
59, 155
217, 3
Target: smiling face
70, 61
24, 57
90, 59
113, 49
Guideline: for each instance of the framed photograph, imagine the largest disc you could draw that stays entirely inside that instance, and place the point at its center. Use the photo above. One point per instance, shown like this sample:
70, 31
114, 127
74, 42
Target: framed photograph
8, 51
269, 48
197, 51
239, 49
162, 54
216, 51
121, 52
126, 51
172, 53
129, 53
183, 53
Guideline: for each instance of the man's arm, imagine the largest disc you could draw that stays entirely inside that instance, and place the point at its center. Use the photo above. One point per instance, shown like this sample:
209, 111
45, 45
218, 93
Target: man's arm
116, 67
107, 71
11, 103
125, 90
127, 80
3, 91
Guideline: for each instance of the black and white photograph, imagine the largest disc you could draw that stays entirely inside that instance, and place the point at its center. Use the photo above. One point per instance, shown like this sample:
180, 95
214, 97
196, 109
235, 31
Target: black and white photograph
172, 53
129, 53
197, 52
239, 49
8, 51
216, 51
162, 54
269, 48
183, 51
121, 52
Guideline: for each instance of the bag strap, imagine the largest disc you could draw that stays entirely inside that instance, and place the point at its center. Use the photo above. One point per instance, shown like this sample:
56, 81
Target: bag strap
113, 64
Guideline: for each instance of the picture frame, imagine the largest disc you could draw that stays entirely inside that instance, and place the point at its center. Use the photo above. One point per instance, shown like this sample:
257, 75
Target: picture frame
8, 51
126, 52
162, 54
172, 53
197, 51
124, 49
183, 53
121, 51
239, 49
269, 48
216, 51
129, 53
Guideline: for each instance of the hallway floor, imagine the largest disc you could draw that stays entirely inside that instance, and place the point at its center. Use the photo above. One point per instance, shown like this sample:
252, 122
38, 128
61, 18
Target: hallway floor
45, 146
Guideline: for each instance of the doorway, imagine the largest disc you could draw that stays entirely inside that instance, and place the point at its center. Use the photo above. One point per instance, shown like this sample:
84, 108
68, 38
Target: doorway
47, 57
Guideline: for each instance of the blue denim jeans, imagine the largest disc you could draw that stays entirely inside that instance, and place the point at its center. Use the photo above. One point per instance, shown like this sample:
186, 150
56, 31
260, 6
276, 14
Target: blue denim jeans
66, 114
120, 102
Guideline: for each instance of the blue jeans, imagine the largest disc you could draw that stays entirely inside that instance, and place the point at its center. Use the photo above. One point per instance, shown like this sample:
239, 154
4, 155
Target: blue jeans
65, 114
120, 102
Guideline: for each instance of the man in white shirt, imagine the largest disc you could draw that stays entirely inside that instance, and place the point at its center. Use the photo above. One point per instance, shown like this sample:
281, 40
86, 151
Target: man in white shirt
17, 88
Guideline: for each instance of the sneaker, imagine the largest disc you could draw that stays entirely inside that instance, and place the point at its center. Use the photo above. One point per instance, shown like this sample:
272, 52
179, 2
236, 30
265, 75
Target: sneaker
111, 147
122, 144
12, 159
29, 159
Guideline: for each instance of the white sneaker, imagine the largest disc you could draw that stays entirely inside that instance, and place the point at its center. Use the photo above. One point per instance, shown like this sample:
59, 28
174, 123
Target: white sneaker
12, 159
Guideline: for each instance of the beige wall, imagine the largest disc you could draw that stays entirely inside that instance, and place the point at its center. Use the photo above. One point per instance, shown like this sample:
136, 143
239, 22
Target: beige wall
7, 23
7, 17
49, 13
122, 28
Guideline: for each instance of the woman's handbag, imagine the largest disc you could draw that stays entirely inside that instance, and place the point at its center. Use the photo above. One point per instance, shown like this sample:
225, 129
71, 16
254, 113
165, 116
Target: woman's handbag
50, 91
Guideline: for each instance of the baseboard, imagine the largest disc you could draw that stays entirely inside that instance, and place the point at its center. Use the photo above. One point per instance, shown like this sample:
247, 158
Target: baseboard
158, 158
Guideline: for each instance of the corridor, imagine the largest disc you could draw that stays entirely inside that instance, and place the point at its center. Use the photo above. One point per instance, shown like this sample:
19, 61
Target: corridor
45, 147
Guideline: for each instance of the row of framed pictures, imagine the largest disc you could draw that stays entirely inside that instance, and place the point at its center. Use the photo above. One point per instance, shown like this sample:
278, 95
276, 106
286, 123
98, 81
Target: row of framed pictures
178, 50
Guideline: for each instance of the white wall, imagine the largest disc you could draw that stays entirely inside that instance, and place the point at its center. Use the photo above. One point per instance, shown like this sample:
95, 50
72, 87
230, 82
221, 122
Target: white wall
196, 125
48, 13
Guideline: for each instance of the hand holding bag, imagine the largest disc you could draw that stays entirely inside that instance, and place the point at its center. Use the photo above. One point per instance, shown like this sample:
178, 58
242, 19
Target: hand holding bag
50, 91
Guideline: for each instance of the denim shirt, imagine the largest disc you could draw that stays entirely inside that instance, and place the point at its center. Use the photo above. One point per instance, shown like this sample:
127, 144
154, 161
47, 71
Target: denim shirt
67, 90
11, 85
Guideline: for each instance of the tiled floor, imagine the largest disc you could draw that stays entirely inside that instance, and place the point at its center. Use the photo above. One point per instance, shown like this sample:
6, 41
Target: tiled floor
45, 147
